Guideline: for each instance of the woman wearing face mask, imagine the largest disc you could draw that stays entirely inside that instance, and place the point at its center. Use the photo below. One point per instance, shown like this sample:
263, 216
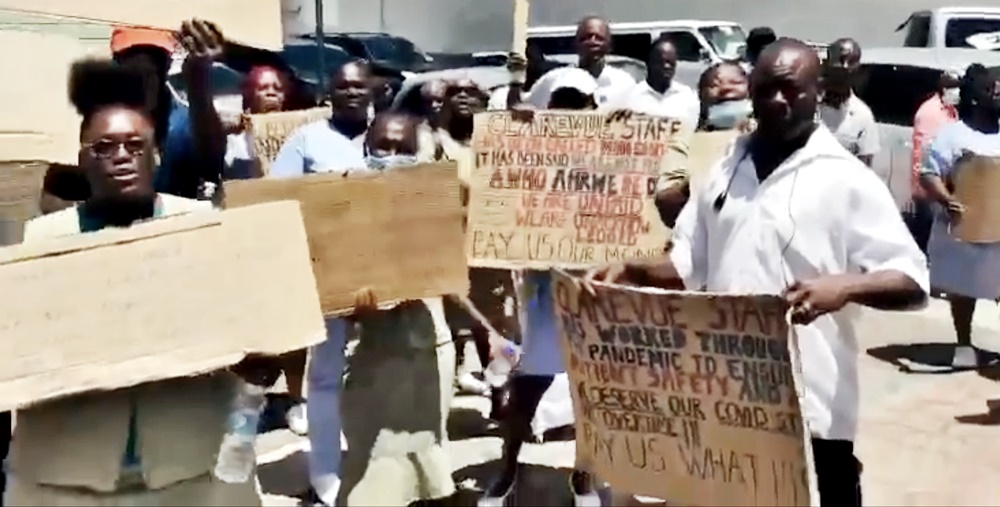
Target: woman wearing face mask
937, 111
398, 389
725, 98
540, 381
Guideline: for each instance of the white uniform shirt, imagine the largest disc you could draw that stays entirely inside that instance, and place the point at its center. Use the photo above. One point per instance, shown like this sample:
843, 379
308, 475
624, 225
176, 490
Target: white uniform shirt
677, 102
611, 84
822, 212
853, 124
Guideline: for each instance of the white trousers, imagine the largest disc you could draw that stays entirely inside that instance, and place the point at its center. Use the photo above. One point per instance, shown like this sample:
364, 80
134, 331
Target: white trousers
325, 381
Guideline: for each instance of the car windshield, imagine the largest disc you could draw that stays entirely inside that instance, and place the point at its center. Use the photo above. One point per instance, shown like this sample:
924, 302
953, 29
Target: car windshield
978, 33
393, 49
304, 60
225, 81
726, 40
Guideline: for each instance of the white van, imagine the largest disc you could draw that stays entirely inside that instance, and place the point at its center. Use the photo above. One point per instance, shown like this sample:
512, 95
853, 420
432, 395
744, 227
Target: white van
699, 43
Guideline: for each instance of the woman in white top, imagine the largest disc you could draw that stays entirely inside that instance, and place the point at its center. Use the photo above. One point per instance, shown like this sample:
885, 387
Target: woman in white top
965, 272
267, 90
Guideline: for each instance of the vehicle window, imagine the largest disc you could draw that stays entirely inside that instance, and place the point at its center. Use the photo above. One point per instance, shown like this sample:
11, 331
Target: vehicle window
304, 60
918, 31
393, 49
895, 92
225, 81
726, 40
554, 45
978, 33
688, 47
633, 45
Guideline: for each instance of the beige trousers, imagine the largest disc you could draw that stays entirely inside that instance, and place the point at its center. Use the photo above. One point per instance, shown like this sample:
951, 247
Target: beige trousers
202, 491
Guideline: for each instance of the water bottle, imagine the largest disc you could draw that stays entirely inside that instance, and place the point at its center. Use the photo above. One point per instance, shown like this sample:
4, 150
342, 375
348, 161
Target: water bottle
502, 364
237, 458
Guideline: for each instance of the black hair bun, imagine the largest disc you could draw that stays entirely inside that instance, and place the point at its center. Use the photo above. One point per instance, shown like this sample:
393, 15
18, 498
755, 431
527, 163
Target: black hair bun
98, 83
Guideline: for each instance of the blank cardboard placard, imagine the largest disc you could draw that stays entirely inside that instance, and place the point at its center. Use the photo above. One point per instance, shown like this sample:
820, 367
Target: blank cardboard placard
252, 22
268, 132
569, 190
977, 187
690, 397
705, 151
174, 297
398, 232
20, 190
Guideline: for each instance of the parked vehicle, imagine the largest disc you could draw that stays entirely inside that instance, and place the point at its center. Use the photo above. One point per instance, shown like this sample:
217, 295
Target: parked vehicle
389, 50
226, 87
894, 82
953, 27
699, 43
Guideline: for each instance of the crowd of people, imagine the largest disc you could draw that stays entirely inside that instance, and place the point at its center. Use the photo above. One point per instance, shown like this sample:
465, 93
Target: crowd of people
792, 208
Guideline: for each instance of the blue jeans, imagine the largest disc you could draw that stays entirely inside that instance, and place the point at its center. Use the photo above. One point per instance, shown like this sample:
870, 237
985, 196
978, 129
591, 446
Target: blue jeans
325, 383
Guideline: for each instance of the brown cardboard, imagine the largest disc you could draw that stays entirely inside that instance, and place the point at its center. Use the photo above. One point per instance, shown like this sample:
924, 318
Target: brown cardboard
397, 232
569, 189
665, 400
268, 132
170, 298
977, 187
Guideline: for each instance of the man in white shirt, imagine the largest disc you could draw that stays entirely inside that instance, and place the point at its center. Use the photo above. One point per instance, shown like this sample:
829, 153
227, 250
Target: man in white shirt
593, 43
659, 94
846, 115
789, 211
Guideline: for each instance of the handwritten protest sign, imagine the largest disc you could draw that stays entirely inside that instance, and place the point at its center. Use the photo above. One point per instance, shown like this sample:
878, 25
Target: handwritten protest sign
567, 190
977, 186
684, 396
398, 232
268, 132
170, 298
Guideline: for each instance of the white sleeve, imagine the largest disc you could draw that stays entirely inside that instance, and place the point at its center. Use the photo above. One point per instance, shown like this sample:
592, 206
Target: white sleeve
541, 91
690, 246
876, 237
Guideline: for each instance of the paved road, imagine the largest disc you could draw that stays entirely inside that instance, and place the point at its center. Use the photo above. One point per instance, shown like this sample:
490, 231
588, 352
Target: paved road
925, 439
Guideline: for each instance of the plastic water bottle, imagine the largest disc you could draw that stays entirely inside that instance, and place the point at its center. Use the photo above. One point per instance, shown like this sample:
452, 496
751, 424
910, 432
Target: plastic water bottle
236, 458
503, 363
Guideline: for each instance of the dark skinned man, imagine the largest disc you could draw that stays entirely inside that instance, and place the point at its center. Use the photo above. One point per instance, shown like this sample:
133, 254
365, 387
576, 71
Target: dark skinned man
846, 115
790, 212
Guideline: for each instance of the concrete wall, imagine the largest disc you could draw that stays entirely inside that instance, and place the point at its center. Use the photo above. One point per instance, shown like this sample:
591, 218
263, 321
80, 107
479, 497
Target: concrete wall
470, 25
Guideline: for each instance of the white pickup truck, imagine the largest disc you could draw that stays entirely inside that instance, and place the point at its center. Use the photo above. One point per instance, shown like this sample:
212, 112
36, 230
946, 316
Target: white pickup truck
953, 27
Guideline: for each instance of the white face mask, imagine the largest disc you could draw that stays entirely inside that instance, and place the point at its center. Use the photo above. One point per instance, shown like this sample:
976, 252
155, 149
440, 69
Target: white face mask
950, 96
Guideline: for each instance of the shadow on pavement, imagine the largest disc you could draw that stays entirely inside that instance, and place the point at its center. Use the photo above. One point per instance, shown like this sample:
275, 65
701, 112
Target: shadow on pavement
537, 485
465, 423
917, 357
285, 477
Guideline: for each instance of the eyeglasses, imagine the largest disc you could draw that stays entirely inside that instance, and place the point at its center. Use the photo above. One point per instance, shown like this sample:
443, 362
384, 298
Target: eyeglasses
106, 148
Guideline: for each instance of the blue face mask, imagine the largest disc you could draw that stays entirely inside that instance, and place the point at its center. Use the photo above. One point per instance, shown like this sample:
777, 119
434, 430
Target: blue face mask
389, 162
727, 115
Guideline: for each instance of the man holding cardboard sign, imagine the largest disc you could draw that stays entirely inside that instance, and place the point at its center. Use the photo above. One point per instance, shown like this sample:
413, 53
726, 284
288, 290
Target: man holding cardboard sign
154, 443
789, 211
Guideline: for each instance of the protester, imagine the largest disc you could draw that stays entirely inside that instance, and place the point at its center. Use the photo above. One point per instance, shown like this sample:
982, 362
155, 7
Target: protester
788, 211
593, 44
432, 98
190, 140
964, 271
935, 112
489, 288
541, 362
724, 94
398, 390
660, 94
267, 89
334, 145
846, 115
152, 444
758, 39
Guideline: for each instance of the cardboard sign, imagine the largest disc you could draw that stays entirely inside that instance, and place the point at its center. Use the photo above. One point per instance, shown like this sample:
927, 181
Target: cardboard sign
170, 298
20, 191
689, 397
705, 150
268, 132
398, 232
252, 22
567, 190
977, 186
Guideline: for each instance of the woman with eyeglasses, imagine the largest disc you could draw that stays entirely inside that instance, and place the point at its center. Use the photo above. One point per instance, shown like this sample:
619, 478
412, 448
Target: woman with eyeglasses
151, 444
